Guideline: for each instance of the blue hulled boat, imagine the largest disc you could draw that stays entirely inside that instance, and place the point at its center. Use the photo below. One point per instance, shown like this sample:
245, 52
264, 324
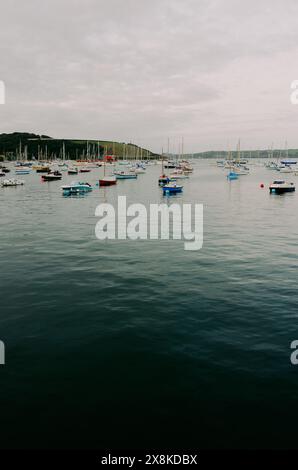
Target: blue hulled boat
76, 188
232, 175
172, 188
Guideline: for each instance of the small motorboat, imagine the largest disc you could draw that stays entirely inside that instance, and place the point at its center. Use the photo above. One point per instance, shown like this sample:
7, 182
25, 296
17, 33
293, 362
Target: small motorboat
170, 165
23, 164
4, 169
124, 175
12, 182
281, 187
22, 170
232, 176
42, 169
108, 181
138, 170
85, 170
172, 188
187, 169
76, 188
52, 176
285, 169
271, 166
73, 171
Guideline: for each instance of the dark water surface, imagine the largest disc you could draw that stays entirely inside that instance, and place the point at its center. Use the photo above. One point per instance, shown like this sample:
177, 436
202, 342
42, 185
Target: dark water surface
142, 344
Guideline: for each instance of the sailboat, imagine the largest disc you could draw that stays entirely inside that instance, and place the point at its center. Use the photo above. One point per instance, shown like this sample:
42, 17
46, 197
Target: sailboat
163, 179
231, 175
285, 165
240, 167
107, 180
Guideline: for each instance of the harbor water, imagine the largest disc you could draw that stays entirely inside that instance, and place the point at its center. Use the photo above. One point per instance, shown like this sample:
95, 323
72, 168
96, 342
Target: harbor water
141, 344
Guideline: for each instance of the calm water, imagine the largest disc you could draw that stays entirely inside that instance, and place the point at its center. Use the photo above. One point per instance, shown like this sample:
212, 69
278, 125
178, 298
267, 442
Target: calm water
142, 344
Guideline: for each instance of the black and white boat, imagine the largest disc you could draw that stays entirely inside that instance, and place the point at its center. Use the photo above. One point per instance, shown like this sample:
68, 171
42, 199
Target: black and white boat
52, 176
170, 165
12, 182
4, 169
281, 186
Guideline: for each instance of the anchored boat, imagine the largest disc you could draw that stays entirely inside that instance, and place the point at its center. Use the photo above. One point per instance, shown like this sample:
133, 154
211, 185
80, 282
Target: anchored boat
41, 168
107, 181
232, 175
280, 187
178, 174
52, 176
4, 169
73, 171
170, 165
23, 171
124, 175
137, 170
172, 188
285, 169
12, 182
76, 188
163, 179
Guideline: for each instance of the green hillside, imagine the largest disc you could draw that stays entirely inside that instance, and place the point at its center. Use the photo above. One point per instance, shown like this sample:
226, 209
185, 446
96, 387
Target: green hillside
19, 144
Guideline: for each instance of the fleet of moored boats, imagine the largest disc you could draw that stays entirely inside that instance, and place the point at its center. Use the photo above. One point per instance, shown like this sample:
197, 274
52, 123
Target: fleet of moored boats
125, 170
170, 180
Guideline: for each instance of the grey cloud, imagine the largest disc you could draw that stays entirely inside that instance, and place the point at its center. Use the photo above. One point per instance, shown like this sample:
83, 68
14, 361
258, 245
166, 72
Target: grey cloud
138, 69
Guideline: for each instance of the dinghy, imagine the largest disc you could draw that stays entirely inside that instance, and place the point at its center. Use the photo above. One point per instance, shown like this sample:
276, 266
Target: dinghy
172, 188
232, 176
73, 171
12, 182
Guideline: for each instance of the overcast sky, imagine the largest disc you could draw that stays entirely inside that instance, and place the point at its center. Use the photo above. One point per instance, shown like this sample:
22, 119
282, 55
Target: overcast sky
212, 71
